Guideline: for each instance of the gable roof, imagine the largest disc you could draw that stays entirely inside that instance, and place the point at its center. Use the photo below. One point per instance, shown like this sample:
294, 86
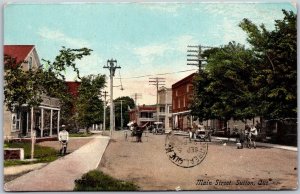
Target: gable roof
19, 52
185, 80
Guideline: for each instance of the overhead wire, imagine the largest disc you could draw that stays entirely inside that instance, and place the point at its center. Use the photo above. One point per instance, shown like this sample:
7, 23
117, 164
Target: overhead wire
149, 75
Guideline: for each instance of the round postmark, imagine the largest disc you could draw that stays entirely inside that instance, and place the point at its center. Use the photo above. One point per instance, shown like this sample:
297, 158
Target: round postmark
183, 151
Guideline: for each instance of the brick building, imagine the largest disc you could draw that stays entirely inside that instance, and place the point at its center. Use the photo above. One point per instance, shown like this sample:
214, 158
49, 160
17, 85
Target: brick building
182, 92
73, 87
143, 115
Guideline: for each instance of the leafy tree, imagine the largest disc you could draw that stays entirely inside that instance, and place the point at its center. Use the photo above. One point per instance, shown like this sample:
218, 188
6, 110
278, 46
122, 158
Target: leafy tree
126, 102
89, 106
202, 99
276, 72
66, 58
20, 87
53, 80
223, 90
260, 81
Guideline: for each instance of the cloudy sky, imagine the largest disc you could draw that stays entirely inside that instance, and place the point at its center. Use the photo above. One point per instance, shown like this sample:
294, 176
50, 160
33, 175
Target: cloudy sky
147, 39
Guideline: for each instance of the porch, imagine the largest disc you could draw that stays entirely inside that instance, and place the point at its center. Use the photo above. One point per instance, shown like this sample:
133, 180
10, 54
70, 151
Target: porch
44, 120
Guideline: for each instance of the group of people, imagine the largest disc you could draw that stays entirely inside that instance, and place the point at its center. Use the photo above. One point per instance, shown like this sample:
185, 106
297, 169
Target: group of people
249, 136
194, 128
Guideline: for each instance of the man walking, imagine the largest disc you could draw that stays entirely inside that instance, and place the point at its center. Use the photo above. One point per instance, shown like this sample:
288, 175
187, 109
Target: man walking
63, 138
253, 135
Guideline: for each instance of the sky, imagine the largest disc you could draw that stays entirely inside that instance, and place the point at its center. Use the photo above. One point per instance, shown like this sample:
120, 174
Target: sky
147, 39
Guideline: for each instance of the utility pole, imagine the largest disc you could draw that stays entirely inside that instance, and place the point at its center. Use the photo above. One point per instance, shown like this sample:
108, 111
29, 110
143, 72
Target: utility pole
121, 115
157, 81
112, 66
32, 135
136, 96
196, 54
104, 112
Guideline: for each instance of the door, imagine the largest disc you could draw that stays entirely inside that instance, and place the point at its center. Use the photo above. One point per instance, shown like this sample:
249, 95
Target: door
24, 123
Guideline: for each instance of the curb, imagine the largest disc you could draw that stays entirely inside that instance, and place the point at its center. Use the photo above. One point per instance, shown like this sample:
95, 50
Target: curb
289, 148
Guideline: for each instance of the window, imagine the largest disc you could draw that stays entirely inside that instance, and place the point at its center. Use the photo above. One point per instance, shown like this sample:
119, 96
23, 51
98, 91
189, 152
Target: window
184, 101
170, 109
178, 103
15, 121
176, 93
30, 63
162, 109
189, 88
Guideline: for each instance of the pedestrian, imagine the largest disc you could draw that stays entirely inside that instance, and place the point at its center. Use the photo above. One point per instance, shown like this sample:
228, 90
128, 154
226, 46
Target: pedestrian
228, 133
247, 135
253, 136
139, 133
258, 126
241, 136
193, 130
63, 138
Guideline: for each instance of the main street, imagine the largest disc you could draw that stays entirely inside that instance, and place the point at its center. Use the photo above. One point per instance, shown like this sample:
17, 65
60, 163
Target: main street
224, 167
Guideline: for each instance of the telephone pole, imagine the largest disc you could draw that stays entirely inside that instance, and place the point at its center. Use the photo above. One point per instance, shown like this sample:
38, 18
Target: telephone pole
104, 111
112, 66
157, 81
121, 115
196, 53
136, 96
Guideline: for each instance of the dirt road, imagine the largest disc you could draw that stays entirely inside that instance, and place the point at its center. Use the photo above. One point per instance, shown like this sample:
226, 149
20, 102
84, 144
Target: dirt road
224, 168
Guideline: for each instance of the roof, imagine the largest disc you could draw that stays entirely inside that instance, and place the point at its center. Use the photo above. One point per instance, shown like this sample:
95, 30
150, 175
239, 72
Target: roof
163, 88
147, 108
185, 80
144, 108
19, 52
73, 87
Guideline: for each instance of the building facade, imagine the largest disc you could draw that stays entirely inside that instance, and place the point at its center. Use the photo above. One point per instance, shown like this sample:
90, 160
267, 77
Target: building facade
45, 118
165, 107
143, 115
182, 93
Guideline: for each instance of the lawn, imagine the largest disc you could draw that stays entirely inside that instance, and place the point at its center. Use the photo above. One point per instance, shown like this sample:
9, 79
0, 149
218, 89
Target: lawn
80, 134
41, 153
96, 180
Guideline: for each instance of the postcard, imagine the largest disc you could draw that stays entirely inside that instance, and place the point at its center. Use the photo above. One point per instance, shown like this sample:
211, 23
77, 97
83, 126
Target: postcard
149, 96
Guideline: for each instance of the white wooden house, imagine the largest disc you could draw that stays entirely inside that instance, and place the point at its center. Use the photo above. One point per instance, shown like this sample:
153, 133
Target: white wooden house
17, 124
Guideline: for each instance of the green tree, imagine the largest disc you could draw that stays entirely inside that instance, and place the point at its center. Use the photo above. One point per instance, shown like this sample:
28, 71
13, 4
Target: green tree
89, 106
126, 102
20, 87
223, 90
276, 72
53, 80
66, 58
202, 99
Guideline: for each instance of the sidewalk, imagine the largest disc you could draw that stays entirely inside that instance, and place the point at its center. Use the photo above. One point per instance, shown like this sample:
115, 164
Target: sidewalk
60, 174
290, 148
